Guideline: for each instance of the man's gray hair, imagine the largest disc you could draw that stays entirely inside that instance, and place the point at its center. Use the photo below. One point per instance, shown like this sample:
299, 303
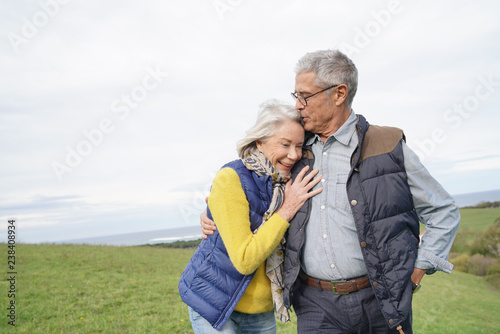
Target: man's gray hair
272, 113
331, 67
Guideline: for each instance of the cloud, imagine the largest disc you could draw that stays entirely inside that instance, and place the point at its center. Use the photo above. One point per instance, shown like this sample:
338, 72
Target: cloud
155, 167
478, 164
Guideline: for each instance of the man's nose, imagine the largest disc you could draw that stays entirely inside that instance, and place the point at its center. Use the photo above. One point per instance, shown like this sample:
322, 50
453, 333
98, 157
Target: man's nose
298, 105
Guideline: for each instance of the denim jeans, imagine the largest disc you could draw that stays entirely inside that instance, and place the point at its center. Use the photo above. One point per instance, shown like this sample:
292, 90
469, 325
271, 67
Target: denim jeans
238, 322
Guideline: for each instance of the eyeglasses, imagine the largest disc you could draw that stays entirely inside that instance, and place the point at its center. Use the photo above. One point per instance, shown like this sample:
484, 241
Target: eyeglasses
303, 99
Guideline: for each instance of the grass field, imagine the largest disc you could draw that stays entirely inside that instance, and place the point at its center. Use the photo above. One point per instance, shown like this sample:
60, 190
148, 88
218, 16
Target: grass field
478, 220
98, 289
473, 222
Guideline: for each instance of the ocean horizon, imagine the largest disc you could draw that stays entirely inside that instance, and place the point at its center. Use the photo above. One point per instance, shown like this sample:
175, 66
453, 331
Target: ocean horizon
187, 233
472, 199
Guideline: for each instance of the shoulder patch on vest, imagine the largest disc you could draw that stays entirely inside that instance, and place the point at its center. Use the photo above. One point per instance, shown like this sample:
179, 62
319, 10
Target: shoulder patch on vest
379, 140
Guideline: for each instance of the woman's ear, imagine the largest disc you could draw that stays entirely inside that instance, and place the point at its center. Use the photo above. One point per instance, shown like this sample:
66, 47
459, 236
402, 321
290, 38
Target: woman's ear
259, 145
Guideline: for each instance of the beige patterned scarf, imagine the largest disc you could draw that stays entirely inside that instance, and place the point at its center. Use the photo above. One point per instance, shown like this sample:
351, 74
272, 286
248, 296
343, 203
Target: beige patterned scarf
257, 162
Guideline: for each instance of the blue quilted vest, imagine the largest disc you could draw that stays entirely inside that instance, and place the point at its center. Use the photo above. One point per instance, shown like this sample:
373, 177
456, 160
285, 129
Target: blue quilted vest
385, 218
210, 284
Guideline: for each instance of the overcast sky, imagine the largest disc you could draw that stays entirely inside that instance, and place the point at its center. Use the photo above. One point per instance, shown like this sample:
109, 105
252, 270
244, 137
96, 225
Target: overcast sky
116, 115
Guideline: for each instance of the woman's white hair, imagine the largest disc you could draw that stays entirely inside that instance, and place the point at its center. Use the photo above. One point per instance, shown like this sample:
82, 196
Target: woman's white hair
331, 67
272, 113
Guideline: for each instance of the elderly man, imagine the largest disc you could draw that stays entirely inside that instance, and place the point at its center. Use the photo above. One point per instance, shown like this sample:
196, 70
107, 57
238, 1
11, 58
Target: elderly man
353, 259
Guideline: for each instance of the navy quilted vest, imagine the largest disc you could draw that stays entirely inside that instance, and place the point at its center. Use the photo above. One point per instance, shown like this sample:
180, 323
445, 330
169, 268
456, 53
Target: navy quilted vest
385, 218
210, 284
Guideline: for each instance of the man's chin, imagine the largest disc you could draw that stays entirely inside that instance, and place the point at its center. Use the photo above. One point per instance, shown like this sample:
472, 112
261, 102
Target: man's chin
308, 127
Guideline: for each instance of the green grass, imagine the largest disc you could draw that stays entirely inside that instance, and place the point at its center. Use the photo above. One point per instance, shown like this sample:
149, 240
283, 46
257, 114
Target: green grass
456, 303
90, 289
97, 289
478, 220
473, 222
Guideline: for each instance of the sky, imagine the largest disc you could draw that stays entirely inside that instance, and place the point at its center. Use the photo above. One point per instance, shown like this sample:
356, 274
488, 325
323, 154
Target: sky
116, 115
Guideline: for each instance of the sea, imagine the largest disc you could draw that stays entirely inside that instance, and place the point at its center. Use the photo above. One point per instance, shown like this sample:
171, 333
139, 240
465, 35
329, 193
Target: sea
187, 233
472, 199
143, 238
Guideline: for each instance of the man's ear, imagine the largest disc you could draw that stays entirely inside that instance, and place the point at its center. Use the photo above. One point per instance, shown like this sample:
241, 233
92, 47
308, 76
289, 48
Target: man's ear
340, 94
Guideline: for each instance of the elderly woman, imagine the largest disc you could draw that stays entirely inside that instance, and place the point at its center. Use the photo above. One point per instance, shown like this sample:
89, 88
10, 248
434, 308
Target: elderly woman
233, 281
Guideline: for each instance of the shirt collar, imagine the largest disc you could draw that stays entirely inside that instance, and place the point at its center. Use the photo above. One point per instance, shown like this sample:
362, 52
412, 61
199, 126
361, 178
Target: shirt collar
343, 134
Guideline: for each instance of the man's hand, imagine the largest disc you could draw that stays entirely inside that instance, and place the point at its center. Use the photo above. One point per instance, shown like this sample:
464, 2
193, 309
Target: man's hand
417, 275
207, 225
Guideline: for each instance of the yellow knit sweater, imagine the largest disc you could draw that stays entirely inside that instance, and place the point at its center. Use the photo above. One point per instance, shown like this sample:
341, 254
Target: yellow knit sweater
247, 251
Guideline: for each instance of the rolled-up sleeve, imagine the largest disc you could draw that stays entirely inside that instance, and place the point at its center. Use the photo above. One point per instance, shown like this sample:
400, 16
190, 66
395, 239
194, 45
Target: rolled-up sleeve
437, 210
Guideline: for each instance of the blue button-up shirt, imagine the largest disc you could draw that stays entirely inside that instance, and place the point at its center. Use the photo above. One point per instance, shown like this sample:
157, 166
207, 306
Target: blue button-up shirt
331, 250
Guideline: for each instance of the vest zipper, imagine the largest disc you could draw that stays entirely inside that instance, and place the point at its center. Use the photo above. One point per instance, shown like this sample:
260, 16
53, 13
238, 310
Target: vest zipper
309, 208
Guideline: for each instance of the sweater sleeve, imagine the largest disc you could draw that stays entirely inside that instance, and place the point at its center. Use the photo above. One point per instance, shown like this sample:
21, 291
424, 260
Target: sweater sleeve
231, 213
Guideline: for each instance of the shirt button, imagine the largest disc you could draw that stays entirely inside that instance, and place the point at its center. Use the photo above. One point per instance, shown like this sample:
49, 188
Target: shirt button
325, 154
323, 180
322, 207
391, 322
354, 202
325, 236
332, 266
363, 244
375, 284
